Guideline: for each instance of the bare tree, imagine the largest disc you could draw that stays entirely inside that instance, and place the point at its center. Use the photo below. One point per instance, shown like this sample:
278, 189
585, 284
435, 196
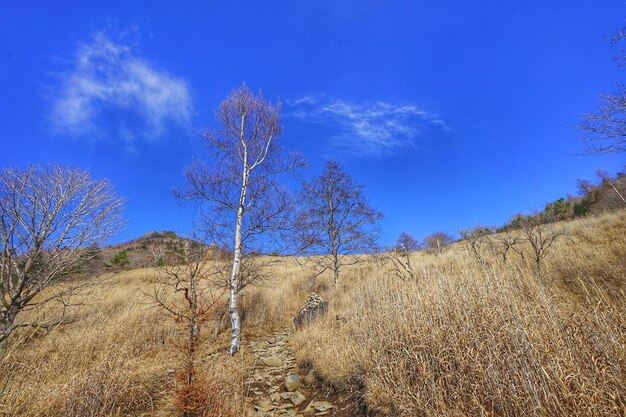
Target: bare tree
606, 127
245, 208
540, 236
606, 179
156, 252
584, 187
335, 220
400, 255
184, 293
501, 244
49, 217
438, 241
478, 239
406, 242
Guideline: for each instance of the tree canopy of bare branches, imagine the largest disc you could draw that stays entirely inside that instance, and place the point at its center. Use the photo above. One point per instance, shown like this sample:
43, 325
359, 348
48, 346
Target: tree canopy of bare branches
438, 241
335, 220
245, 208
49, 217
406, 243
605, 128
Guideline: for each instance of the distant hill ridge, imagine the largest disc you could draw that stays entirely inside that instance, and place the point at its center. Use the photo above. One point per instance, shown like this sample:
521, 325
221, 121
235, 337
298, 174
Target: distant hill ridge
152, 249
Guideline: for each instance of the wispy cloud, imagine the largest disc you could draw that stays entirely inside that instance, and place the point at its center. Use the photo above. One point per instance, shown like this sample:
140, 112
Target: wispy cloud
110, 86
378, 128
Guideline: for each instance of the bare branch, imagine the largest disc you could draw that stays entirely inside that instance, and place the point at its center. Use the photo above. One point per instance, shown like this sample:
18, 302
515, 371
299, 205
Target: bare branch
335, 220
49, 217
243, 206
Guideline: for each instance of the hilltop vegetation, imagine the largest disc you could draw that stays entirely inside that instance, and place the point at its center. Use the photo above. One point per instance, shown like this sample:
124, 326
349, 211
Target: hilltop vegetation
152, 249
461, 339
607, 195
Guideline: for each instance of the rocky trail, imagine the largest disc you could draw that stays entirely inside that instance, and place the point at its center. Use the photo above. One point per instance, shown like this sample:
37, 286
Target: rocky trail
275, 388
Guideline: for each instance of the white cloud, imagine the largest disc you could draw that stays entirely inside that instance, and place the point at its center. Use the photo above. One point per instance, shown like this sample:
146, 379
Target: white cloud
366, 129
109, 78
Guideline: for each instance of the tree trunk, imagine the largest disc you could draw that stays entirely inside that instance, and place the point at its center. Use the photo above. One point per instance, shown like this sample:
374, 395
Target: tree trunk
4, 335
409, 268
336, 269
6, 325
235, 322
615, 189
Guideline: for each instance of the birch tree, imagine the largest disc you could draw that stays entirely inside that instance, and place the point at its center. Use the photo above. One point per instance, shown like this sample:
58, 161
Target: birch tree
335, 220
244, 207
50, 218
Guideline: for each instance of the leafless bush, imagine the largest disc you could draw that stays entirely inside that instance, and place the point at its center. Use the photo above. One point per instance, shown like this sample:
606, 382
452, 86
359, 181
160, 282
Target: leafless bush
540, 237
503, 243
478, 239
400, 256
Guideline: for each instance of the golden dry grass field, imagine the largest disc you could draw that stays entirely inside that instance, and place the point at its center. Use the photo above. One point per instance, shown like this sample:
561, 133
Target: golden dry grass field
461, 339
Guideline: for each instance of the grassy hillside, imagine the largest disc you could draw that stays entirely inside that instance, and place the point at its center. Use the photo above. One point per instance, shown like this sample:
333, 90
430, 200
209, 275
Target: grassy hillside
462, 339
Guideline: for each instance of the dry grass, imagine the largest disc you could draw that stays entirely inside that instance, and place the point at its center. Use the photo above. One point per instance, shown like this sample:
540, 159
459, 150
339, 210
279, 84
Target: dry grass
505, 340
115, 359
461, 340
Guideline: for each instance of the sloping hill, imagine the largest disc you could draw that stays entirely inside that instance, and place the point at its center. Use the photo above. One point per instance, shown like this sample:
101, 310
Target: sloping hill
152, 249
462, 338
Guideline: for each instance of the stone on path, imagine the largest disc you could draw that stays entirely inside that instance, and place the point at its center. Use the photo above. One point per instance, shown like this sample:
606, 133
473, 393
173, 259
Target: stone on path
309, 379
272, 361
297, 398
318, 406
264, 405
292, 382
275, 386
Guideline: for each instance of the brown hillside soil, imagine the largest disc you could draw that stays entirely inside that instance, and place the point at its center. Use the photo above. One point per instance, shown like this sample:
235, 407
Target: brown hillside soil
268, 394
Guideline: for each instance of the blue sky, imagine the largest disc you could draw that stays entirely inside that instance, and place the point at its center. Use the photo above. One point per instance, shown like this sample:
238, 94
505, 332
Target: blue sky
451, 113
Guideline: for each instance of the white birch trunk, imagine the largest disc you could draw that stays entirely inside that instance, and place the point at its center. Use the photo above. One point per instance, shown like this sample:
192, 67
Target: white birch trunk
615, 189
336, 271
235, 321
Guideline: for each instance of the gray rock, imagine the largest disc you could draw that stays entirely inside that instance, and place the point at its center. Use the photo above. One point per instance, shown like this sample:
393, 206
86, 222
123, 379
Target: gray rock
297, 398
272, 361
264, 405
322, 405
292, 382
309, 379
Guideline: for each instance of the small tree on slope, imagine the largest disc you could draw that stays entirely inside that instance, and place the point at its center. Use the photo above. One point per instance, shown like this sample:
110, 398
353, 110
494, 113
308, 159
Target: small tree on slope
335, 220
